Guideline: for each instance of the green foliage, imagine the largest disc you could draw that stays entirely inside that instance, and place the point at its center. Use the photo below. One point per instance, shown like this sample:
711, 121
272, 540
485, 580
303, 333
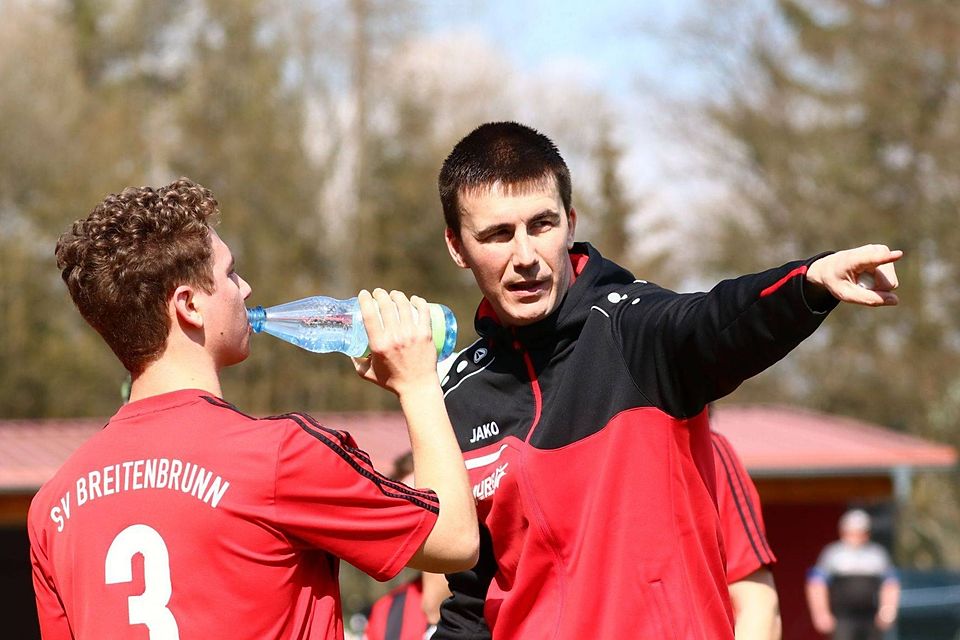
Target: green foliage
843, 134
105, 94
314, 125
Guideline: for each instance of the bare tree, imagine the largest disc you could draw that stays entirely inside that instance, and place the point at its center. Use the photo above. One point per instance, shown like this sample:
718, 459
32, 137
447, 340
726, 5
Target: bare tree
834, 125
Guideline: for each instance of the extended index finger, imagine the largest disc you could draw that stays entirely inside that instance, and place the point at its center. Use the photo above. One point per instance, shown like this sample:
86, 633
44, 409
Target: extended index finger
877, 263
871, 256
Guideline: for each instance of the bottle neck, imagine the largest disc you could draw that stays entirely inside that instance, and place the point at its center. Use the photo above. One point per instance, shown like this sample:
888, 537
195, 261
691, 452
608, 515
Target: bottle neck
256, 317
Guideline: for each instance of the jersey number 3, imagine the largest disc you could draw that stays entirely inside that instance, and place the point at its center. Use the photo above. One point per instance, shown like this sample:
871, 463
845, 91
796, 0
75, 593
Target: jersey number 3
150, 607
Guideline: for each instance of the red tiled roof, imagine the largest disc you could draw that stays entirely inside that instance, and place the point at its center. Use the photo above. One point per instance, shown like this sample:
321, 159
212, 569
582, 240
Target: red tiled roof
781, 441
32, 450
771, 440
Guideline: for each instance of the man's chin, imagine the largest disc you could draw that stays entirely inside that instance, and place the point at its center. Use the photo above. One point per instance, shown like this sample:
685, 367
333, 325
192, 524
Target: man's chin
521, 317
239, 357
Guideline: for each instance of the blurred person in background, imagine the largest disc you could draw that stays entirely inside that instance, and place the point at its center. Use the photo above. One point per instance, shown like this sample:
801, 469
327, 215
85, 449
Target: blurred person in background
853, 591
581, 410
410, 611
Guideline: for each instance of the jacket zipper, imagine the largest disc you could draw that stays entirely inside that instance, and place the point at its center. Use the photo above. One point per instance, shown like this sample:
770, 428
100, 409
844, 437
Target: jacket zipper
534, 385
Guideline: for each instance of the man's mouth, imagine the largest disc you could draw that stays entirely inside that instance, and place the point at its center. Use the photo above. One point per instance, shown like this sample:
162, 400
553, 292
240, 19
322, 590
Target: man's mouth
527, 286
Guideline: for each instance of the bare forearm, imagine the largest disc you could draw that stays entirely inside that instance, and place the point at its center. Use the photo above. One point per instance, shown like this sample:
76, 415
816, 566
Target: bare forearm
819, 604
438, 465
756, 607
889, 603
435, 591
404, 361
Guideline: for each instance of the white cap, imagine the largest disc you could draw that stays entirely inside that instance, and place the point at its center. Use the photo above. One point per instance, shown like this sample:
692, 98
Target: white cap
855, 520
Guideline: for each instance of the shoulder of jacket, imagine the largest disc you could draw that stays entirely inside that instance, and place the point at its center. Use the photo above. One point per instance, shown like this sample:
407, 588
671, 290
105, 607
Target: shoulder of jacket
609, 299
470, 361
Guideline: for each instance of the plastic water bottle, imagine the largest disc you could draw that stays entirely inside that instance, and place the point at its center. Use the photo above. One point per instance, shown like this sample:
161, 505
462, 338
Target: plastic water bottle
324, 325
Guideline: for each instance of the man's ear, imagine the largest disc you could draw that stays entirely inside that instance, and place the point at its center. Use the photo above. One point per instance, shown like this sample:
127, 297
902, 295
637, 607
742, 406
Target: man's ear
572, 224
455, 247
184, 308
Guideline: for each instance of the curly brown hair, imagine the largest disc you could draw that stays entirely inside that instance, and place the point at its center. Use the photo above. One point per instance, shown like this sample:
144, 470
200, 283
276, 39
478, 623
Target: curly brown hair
122, 263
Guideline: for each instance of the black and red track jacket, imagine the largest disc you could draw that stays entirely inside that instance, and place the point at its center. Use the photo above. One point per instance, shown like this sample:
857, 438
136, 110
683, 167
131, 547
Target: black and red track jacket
587, 443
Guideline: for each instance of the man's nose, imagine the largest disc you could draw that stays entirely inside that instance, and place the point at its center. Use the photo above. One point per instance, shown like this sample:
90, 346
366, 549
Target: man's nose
524, 253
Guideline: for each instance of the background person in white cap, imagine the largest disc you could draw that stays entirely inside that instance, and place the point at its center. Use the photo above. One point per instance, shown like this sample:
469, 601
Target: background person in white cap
853, 590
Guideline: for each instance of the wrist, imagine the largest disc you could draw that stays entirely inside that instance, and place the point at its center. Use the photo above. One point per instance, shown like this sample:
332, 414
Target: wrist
419, 390
414, 378
817, 297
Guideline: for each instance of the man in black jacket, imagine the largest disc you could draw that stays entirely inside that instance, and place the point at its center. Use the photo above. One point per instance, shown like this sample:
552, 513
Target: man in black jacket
581, 410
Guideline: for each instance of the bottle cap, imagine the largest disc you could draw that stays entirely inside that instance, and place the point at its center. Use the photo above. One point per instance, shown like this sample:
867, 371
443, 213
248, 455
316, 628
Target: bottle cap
444, 326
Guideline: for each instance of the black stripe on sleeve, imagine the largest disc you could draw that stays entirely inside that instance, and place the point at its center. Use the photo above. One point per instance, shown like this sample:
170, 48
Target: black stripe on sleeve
756, 517
356, 458
425, 498
734, 480
425, 494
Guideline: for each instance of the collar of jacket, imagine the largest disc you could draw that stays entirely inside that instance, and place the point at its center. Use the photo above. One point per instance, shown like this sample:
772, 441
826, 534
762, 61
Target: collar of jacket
597, 278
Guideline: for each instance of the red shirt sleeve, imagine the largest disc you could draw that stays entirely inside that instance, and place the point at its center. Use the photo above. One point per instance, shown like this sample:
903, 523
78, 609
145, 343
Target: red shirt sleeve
741, 521
329, 496
50, 612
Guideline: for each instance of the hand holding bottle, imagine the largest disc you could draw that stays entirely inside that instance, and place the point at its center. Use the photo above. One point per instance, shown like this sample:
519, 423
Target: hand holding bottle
403, 354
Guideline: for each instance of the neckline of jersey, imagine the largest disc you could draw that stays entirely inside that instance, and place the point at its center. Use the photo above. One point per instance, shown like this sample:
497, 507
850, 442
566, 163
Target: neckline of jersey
159, 402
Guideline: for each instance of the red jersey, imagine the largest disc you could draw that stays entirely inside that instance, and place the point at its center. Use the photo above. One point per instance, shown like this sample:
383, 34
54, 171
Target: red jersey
399, 615
741, 522
185, 518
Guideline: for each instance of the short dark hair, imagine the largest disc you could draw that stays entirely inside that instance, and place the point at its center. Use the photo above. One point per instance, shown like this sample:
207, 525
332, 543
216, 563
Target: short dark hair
122, 263
510, 153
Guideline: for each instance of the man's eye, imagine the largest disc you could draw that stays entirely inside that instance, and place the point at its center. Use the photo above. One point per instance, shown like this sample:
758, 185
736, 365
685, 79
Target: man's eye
497, 236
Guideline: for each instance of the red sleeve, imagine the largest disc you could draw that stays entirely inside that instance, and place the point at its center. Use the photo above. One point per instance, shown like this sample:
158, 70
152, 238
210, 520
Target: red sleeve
744, 534
50, 612
329, 496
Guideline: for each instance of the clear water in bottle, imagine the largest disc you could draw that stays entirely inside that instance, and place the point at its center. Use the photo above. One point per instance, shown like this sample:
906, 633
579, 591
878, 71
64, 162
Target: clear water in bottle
324, 325
319, 324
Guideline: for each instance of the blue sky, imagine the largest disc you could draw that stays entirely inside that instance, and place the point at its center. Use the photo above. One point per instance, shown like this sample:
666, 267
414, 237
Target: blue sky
610, 39
620, 48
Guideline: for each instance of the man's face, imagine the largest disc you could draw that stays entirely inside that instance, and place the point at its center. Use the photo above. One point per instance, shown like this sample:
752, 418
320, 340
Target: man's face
516, 244
855, 536
224, 312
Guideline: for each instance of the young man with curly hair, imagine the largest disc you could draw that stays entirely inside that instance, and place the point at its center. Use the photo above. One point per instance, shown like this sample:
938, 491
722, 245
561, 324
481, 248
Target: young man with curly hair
186, 518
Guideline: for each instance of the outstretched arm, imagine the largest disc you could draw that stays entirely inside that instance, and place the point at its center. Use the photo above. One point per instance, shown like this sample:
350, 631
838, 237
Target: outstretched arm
864, 275
404, 361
